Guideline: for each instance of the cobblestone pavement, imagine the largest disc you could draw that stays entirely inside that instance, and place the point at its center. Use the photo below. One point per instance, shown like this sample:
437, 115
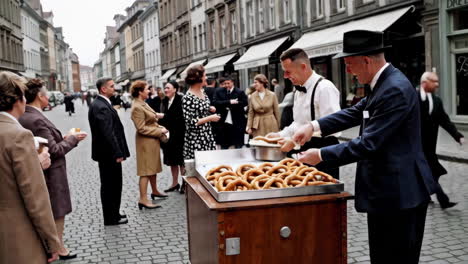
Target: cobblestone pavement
159, 236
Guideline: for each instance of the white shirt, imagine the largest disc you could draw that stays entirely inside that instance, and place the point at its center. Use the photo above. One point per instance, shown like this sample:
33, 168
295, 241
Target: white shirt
170, 102
10, 116
262, 95
425, 95
107, 99
326, 101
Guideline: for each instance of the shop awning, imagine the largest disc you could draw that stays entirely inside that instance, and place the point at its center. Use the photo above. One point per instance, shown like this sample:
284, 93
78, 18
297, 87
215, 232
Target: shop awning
217, 64
258, 55
167, 74
184, 73
330, 40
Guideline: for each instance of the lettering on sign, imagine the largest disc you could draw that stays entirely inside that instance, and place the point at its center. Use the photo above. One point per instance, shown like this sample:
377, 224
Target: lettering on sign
462, 66
456, 3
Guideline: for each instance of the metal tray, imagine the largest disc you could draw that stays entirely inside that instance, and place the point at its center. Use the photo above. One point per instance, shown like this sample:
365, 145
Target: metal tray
206, 160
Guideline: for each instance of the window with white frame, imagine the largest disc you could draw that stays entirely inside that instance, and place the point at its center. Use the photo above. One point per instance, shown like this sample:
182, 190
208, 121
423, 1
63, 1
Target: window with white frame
340, 5
213, 34
261, 16
287, 11
223, 31
187, 41
319, 8
233, 27
251, 18
271, 13
195, 40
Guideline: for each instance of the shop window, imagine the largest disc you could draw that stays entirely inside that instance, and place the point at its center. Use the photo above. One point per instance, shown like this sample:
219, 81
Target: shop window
461, 64
460, 19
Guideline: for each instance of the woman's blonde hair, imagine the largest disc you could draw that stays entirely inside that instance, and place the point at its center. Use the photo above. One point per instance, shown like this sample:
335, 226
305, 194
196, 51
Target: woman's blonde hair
261, 78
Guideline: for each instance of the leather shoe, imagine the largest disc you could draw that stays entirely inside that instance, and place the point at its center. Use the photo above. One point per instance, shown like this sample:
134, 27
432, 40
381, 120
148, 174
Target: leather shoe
69, 256
123, 216
448, 205
153, 196
118, 222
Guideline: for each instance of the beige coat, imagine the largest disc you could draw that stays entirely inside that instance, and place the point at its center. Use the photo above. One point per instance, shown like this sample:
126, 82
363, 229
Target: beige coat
146, 139
27, 227
264, 114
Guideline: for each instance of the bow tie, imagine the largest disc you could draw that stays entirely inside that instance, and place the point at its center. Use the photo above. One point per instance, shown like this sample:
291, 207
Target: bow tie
301, 88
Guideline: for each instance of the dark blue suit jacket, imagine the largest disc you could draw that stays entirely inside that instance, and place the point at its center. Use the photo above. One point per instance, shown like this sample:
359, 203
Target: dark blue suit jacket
392, 172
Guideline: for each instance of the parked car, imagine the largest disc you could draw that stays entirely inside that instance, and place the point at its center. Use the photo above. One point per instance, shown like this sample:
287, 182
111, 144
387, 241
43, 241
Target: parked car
59, 97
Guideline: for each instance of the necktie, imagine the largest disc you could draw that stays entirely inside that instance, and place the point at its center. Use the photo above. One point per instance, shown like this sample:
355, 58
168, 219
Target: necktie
425, 105
300, 88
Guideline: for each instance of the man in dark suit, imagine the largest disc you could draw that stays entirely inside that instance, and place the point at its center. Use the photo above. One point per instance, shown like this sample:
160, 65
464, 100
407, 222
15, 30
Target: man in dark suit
393, 179
230, 103
109, 149
433, 115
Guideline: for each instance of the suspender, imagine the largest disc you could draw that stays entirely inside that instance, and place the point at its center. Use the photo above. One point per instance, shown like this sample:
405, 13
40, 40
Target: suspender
312, 107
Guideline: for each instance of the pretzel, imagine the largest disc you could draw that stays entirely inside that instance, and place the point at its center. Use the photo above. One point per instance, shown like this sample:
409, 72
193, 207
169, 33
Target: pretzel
279, 183
278, 169
238, 185
305, 171
218, 169
288, 162
214, 178
288, 145
223, 181
295, 170
322, 176
268, 140
251, 174
242, 169
266, 166
293, 180
284, 175
260, 181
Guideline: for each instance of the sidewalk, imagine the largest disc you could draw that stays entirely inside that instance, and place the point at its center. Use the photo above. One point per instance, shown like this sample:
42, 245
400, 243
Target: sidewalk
447, 148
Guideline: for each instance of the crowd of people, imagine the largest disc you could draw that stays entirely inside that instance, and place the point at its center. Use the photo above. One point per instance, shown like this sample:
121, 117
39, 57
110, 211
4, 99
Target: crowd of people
395, 174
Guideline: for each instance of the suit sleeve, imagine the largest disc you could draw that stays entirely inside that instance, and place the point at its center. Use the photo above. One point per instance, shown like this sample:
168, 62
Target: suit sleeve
218, 101
33, 190
243, 99
56, 149
390, 111
342, 120
447, 124
105, 125
138, 117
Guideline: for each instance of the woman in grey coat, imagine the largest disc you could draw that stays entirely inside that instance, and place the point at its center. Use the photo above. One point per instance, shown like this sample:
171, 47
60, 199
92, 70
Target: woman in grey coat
56, 176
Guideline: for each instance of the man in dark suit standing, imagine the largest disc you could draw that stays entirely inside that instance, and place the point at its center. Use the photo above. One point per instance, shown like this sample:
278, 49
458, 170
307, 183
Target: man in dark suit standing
393, 179
433, 115
109, 149
230, 103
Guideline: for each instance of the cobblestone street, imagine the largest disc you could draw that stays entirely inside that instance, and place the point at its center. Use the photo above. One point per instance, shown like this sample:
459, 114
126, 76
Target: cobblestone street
160, 236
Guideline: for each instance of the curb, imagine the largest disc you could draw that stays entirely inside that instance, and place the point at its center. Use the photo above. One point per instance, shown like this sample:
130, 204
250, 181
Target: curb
444, 156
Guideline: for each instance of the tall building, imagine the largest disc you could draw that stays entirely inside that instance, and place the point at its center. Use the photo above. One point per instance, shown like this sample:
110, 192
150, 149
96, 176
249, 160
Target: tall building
30, 21
87, 78
11, 39
151, 46
75, 73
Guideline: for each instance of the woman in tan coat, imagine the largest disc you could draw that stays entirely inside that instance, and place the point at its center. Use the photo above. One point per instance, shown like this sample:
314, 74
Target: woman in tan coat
148, 133
263, 109
27, 227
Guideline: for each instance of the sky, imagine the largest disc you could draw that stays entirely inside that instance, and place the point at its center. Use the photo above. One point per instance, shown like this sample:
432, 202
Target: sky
84, 23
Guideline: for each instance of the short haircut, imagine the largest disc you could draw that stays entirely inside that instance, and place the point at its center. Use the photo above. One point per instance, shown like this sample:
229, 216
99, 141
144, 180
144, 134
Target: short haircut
211, 81
174, 84
261, 78
295, 54
101, 82
229, 78
195, 74
221, 80
12, 89
426, 76
137, 87
33, 88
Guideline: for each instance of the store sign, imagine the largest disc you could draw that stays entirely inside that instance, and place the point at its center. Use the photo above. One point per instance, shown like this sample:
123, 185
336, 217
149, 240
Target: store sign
324, 51
456, 3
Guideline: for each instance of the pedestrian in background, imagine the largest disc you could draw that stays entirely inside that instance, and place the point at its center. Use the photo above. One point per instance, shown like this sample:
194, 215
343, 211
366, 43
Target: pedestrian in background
69, 104
109, 148
314, 98
230, 103
173, 121
56, 176
147, 140
433, 115
278, 89
210, 89
27, 226
263, 116
393, 179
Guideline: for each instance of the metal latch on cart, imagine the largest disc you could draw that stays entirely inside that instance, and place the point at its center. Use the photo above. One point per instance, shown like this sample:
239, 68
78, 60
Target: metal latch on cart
232, 246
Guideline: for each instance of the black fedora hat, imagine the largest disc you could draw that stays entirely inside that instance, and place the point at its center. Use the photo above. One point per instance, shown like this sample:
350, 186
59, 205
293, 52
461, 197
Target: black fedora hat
361, 42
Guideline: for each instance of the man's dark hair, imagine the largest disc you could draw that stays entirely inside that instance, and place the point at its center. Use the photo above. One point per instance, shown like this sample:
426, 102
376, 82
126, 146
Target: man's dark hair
174, 84
34, 86
211, 81
295, 54
229, 78
221, 80
101, 82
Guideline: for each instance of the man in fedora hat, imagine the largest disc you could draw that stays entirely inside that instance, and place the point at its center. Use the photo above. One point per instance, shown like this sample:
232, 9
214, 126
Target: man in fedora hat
393, 179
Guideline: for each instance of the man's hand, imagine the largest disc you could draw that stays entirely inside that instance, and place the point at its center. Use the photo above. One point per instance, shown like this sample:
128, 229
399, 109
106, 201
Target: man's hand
212, 109
44, 158
303, 134
310, 156
119, 160
462, 140
81, 135
54, 257
273, 135
234, 101
159, 115
248, 131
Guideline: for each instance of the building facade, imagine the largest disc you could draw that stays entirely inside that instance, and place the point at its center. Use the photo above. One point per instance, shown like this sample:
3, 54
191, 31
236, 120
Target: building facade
30, 21
76, 76
151, 46
87, 78
11, 39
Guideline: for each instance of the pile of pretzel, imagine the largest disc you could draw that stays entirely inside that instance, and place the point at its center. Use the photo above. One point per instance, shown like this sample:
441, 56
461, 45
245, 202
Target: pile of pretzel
287, 173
